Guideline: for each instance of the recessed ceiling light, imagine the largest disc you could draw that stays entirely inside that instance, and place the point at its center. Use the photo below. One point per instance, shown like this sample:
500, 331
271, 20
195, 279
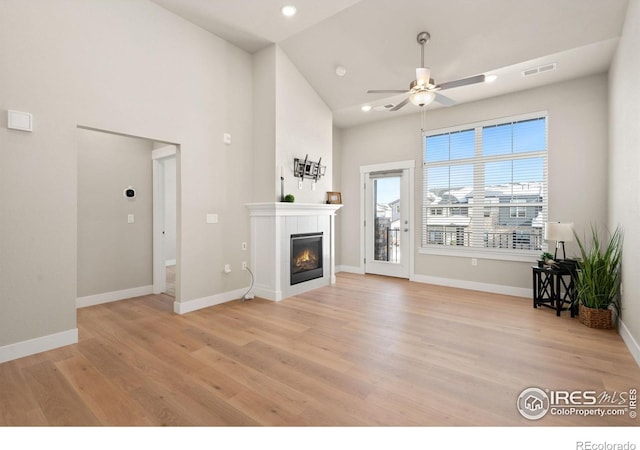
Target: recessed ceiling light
341, 71
490, 78
366, 108
289, 10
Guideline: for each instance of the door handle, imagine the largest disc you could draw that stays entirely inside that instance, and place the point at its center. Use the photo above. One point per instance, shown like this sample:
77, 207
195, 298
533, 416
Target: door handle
405, 230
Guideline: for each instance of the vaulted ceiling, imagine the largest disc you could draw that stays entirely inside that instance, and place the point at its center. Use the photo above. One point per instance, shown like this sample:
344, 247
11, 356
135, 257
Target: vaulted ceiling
375, 41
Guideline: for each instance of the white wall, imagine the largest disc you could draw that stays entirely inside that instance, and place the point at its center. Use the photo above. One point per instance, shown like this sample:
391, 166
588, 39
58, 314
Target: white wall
290, 121
127, 66
577, 168
264, 126
113, 255
303, 126
624, 167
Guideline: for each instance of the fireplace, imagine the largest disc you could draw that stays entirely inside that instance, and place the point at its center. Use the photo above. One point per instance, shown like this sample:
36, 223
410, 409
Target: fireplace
306, 257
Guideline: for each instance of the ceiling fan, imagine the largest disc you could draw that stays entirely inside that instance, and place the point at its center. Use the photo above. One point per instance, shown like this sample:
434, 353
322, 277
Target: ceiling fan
423, 90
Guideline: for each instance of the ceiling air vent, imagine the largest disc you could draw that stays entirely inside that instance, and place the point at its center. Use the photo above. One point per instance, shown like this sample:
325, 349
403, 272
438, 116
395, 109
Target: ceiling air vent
539, 69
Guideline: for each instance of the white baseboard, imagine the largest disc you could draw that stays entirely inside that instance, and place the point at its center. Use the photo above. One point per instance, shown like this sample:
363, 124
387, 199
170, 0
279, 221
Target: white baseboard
107, 297
350, 269
205, 302
170, 262
474, 285
630, 341
267, 293
38, 345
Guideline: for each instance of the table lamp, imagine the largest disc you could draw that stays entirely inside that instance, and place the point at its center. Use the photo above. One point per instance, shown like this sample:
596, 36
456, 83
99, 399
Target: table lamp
559, 232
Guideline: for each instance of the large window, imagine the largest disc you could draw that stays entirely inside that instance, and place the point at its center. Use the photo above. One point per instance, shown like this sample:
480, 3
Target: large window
485, 186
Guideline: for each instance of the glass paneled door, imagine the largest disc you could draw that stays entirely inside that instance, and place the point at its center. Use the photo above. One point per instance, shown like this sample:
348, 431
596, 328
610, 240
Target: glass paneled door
387, 223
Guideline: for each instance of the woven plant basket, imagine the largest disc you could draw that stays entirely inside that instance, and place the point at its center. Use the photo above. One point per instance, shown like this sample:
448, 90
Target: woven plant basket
595, 318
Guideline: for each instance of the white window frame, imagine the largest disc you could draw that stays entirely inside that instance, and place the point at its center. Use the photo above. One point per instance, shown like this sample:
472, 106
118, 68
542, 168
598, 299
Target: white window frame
482, 252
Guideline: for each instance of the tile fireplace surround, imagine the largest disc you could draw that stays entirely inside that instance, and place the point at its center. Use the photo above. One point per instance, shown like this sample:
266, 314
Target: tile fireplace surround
272, 225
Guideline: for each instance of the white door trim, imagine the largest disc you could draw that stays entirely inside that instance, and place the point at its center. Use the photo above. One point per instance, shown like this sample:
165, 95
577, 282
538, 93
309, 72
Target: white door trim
397, 165
159, 201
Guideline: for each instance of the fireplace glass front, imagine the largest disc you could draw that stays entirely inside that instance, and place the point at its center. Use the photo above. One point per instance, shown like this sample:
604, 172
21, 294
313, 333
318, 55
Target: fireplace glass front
306, 257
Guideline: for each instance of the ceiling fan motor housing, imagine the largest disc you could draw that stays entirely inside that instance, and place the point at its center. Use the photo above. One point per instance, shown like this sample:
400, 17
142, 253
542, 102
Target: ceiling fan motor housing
431, 86
423, 37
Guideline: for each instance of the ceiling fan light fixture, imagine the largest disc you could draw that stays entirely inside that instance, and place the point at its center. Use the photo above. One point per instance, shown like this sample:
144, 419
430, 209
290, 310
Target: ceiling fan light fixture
422, 98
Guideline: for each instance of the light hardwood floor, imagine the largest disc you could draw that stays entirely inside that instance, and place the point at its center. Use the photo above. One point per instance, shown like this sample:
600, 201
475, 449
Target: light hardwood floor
368, 351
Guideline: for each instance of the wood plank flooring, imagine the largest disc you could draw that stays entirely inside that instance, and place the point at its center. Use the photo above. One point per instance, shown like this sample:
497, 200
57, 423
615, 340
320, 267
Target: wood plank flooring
369, 351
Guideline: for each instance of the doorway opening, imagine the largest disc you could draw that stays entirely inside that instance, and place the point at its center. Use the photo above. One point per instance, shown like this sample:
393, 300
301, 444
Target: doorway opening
127, 195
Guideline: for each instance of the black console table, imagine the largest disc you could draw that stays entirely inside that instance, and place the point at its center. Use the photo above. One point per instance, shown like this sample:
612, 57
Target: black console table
553, 287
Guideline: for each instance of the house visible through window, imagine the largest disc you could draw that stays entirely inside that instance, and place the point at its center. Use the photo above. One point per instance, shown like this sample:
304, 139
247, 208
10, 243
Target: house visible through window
518, 212
485, 185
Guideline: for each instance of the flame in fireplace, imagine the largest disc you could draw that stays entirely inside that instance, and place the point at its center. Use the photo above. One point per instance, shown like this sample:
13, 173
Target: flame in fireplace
306, 260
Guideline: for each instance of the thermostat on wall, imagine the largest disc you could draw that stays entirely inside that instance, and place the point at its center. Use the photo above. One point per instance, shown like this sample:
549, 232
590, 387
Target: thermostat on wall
129, 193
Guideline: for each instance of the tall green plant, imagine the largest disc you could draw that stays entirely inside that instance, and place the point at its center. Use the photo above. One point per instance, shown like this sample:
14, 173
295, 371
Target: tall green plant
598, 279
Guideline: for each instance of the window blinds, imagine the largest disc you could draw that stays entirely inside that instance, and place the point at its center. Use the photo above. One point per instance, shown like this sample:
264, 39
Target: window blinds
485, 184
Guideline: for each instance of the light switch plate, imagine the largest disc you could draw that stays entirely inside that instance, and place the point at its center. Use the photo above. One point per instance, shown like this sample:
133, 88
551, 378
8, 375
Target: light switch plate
212, 218
131, 218
18, 120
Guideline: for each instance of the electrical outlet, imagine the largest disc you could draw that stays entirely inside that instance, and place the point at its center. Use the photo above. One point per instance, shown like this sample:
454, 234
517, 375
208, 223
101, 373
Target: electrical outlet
474, 261
244, 265
227, 268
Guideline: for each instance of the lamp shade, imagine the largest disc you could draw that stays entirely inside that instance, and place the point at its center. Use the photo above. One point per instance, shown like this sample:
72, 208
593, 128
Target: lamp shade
559, 232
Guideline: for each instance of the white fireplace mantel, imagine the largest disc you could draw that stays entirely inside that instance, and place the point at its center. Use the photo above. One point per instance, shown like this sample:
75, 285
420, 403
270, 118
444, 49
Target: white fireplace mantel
292, 209
272, 225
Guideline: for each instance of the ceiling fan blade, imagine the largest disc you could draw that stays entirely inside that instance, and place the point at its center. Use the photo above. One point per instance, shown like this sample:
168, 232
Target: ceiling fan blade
461, 82
400, 105
444, 100
387, 91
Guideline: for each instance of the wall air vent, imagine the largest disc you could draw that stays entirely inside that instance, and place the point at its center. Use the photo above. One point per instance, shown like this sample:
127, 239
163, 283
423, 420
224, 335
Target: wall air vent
538, 70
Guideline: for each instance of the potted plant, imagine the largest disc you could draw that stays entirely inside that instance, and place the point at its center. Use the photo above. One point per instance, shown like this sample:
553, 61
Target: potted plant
546, 256
598, 279
289, 198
